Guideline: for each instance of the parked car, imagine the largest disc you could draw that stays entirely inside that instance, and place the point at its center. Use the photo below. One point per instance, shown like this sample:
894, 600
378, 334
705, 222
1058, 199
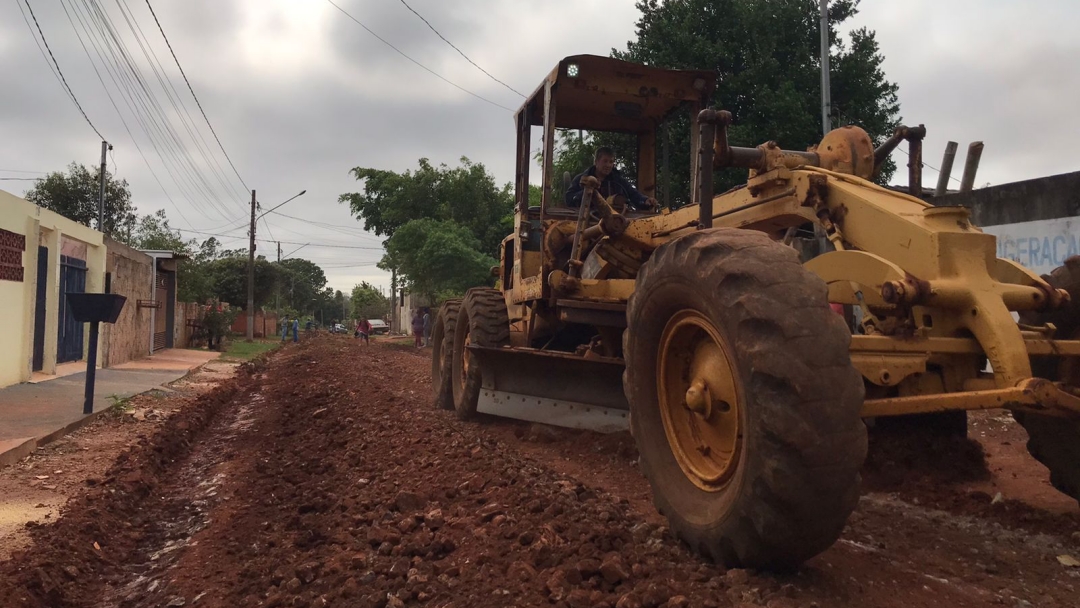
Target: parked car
378, 326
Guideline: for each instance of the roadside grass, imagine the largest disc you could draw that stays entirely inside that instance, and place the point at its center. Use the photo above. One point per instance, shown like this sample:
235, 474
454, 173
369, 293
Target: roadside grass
239, 350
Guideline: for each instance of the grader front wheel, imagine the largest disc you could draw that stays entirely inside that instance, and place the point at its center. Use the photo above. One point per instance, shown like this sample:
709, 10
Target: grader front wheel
481, 320
744, 402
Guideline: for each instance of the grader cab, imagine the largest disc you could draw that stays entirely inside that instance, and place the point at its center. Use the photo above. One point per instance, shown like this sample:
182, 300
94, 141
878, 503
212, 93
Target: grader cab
704, 332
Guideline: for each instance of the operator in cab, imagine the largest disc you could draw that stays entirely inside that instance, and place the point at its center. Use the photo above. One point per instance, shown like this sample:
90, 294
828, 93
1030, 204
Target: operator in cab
611, 183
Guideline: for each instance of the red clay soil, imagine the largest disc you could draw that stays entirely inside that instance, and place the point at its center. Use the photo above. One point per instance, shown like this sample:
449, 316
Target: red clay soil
323, 477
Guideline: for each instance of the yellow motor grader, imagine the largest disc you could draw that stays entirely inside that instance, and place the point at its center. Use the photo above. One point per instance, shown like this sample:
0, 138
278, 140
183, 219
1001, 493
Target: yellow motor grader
724, 352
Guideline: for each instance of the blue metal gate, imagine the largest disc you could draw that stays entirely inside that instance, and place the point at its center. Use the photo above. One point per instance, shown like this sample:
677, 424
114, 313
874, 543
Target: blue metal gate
39, 308
69, 346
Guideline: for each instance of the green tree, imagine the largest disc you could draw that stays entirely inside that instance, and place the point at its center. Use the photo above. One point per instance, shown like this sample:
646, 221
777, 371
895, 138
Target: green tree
75, 195
573, 153
766, 57
437, 258
229, 280
299, 283
368, 302
466, 195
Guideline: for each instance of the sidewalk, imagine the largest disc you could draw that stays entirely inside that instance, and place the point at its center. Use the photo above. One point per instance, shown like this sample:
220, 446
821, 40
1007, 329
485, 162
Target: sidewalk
35, 414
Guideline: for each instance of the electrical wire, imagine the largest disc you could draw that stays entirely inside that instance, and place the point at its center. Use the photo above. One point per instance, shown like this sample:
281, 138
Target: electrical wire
929, 166
201, 110
143, 104
60, 72
424, 67
340, 229
459, 50
153, 107
180, 108
133, 110
330, 245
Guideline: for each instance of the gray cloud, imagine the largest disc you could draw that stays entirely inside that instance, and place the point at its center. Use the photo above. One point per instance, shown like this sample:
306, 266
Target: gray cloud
299, 95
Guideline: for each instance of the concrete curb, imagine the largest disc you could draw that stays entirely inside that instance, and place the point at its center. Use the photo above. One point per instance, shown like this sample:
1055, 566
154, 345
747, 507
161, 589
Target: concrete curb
15, 454
19, 451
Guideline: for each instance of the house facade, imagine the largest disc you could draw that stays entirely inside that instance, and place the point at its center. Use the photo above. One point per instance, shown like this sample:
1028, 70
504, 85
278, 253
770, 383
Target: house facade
43, 256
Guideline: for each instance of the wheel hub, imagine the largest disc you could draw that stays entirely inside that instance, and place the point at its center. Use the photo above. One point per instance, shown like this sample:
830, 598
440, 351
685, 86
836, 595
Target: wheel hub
699, 396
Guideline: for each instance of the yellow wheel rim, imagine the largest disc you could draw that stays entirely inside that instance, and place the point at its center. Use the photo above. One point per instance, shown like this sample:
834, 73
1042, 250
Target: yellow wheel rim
466, 361
700, 400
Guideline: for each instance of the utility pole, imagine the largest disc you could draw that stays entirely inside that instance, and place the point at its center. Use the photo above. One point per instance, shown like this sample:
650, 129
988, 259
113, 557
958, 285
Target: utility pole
393, 301
251, 275
279, 251
826, 102
105, 147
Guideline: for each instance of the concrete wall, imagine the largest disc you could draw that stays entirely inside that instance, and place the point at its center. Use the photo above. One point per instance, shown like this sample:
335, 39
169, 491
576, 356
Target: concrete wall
1043, 198
402, 314
1036, 221
132, 276
181, 332
39, 226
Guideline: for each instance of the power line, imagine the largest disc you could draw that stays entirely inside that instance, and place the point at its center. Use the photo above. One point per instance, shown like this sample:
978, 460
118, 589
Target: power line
929, 166
459, 50
130, 100
427, 69
60, 72
325, 226
175, 100
188, 83
154, 108
124, 122
20, 171
333, 246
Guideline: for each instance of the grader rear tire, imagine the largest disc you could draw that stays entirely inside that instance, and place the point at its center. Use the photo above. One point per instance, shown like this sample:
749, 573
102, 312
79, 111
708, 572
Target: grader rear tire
481, 320
1055, 442
442, 364
744, 403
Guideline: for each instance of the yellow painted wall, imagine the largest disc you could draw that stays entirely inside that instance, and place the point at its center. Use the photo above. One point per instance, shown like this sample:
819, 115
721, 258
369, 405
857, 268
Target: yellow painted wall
17, 299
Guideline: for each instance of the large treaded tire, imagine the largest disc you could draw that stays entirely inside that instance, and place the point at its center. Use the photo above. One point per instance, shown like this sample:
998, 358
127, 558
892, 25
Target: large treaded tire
442, 364
803, 442
481, 320
1053, 441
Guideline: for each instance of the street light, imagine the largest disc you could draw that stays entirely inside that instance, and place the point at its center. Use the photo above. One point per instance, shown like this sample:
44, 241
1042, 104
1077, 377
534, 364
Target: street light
251, 265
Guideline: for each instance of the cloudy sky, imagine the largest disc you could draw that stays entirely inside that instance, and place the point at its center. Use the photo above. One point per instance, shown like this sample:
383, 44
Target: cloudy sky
299, 94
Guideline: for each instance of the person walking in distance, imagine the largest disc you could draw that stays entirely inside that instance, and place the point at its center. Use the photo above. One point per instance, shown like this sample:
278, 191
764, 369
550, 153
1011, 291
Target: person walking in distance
418, 329
427, 327
296, 330
284, 328
363, 330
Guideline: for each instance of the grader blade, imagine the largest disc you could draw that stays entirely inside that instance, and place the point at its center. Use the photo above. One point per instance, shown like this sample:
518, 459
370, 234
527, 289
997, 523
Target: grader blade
553, 388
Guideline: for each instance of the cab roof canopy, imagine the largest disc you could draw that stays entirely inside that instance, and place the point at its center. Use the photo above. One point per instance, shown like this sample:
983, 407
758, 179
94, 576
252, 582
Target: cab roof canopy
604, 94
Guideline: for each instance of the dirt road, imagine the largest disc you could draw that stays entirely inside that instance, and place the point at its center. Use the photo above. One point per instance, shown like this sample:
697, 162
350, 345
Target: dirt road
323, 477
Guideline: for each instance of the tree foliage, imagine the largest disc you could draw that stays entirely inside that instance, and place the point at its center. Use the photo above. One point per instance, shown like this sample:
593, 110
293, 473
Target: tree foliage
437, 258
766, 56
443, 224
368, 302
74, 194
466, 195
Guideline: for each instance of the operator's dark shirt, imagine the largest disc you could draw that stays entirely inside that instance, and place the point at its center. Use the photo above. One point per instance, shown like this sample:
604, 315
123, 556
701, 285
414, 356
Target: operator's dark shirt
614, 183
